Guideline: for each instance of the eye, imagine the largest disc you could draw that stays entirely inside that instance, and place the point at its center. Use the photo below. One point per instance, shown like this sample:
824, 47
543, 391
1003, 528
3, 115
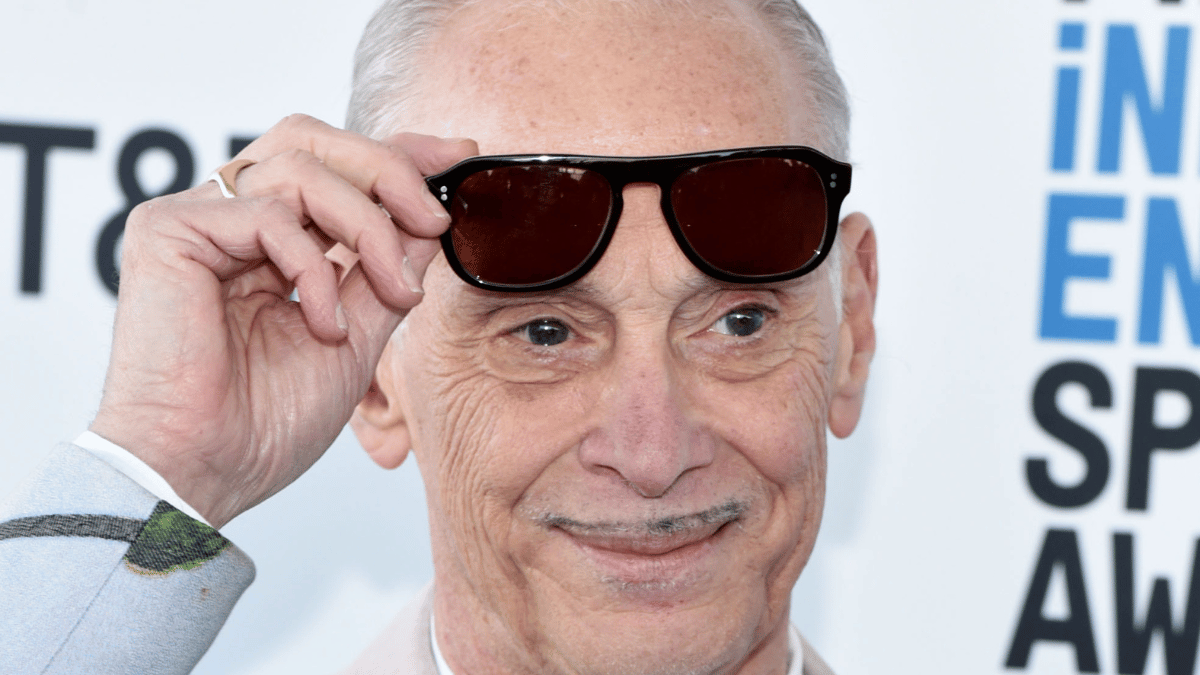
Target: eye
742, 322
544, 332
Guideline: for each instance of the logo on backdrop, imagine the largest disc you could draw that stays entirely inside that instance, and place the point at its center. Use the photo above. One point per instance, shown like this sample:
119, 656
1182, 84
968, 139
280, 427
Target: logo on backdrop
41, 141
1125, 170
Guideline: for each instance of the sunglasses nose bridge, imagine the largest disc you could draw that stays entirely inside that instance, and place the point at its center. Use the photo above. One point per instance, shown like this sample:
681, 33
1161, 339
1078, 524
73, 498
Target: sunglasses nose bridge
661, 199
640, 174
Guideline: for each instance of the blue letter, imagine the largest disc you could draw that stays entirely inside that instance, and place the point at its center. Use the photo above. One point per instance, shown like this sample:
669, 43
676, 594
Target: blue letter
1066, 108
1165, 249
1066, 112
1062, 265
1125, 77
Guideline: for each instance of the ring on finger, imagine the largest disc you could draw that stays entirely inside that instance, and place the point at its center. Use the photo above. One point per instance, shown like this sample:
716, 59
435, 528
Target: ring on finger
226, 176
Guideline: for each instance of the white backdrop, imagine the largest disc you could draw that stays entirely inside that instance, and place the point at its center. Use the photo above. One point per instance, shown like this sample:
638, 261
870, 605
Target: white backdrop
932, 530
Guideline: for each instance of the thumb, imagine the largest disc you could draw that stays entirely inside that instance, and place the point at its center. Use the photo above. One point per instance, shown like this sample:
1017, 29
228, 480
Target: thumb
370, 322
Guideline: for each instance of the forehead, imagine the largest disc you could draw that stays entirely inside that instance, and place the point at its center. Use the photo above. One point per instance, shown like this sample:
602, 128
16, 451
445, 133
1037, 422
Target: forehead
610, 77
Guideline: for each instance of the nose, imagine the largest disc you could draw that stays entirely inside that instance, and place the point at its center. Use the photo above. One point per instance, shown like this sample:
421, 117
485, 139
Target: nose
647, 438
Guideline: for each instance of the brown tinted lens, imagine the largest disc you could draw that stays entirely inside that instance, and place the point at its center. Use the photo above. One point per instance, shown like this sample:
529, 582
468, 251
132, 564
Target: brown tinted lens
526, 225
752, 217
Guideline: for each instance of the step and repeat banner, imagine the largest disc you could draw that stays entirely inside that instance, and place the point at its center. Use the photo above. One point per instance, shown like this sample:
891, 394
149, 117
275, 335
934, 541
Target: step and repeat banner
1023, 494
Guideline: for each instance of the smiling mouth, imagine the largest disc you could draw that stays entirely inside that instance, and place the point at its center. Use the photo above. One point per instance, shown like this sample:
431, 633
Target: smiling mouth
653, 536
660, 553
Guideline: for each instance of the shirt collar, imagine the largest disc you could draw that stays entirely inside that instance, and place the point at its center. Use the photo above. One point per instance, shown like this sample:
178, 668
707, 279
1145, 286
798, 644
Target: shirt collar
439, 661
795, 652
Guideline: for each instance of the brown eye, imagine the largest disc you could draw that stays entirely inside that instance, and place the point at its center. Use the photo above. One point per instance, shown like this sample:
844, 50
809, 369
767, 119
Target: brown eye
545, 332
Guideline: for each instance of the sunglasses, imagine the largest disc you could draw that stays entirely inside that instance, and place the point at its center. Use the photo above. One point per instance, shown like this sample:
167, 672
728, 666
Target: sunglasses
538, 222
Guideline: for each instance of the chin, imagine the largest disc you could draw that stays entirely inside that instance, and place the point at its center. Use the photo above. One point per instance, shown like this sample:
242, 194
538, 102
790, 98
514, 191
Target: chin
655, 628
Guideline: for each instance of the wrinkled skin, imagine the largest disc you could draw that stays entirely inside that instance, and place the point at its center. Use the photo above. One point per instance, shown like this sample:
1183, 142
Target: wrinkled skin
217, 380
640, 495
637, 493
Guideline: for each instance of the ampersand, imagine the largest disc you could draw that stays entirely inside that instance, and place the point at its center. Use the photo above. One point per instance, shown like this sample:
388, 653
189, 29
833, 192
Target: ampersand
108, 244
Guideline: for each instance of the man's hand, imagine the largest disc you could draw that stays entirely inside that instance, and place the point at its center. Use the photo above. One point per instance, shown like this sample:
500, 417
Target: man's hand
218, 380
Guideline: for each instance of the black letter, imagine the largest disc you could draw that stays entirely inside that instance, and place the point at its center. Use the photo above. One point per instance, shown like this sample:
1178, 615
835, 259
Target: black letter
1146, 437
1061, 548
110, 236
1058, 425
38, 141
1134, 644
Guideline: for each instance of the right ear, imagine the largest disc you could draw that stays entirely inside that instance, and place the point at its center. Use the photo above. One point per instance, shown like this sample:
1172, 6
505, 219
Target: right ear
378, 420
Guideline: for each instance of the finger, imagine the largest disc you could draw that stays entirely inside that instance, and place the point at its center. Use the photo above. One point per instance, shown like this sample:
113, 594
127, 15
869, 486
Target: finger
427, 155
387, 172
265, 278
431, 154
323, 240
303, 263
340, 211
370, 321
215, 240
418, 253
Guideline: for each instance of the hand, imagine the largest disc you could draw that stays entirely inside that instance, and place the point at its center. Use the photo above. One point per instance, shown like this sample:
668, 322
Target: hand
218, 380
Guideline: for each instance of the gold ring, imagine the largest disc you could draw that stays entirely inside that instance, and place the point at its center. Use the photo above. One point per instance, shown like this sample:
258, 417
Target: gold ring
226, 176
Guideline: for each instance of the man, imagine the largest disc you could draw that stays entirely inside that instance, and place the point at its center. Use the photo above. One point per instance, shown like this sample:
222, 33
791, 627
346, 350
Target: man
618, 406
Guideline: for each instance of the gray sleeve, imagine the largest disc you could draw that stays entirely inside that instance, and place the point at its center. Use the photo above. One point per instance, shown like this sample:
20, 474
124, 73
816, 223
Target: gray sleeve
98, 576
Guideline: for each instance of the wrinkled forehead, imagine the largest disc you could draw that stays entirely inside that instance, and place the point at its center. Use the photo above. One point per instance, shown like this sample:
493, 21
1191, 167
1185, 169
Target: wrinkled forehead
610, 77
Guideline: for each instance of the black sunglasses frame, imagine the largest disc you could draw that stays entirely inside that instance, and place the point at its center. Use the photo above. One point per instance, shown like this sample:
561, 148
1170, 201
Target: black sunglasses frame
663, 171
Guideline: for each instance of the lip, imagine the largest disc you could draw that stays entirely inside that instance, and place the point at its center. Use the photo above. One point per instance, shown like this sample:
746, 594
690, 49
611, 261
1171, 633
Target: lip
655, 567
647, 544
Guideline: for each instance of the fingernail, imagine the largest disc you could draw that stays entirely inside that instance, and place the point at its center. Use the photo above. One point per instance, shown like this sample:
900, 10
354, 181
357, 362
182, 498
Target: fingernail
410, 277
435, 207
456, 139
340, 314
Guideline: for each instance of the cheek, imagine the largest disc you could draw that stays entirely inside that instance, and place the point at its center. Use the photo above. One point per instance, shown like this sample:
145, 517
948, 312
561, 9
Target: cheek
777, 420
788, 451
493, 439
800, 408
481, 443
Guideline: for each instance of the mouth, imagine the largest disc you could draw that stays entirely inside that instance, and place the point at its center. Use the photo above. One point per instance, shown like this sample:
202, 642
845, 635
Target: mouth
646, 543
660, 555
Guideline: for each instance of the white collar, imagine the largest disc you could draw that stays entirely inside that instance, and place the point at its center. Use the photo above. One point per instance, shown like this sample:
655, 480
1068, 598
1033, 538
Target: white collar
439, 661
795, 652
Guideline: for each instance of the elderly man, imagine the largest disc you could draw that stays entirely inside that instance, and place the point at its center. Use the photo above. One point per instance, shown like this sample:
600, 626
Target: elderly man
616, 375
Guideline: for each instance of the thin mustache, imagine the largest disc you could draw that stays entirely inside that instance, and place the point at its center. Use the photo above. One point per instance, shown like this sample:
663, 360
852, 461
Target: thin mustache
729, 511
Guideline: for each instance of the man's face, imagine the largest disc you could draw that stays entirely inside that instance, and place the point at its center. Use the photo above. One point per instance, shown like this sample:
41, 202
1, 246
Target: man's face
625, 475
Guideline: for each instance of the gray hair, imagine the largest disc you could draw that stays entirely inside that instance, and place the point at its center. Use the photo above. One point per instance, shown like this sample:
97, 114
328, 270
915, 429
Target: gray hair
389, 53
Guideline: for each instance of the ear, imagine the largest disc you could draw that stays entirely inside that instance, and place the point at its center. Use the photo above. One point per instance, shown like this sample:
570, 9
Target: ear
378, 421
856, 337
